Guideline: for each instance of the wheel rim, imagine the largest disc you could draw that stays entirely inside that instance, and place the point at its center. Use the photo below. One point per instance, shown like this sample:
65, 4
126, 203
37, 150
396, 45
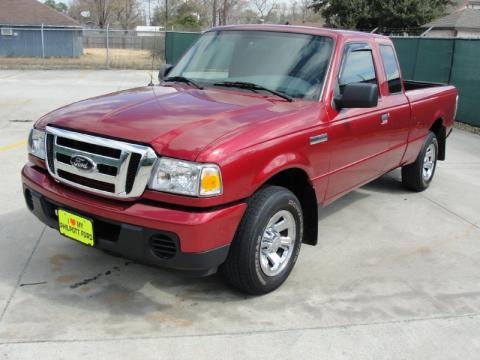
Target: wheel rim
429, 162
278, 242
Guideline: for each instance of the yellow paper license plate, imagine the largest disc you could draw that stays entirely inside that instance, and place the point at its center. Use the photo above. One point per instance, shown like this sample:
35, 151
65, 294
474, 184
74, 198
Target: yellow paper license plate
75, 227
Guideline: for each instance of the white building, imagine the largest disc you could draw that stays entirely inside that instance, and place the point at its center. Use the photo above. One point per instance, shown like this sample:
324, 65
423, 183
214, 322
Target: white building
149, 30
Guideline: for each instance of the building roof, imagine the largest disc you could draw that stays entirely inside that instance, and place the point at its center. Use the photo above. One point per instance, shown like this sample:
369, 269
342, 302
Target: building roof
32, 13
456, 6
463, 19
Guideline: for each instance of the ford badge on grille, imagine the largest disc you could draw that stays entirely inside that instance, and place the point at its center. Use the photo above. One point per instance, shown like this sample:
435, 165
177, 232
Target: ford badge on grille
82, 163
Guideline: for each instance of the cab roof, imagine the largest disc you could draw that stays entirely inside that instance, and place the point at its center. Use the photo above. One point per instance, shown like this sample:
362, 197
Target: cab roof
334, 33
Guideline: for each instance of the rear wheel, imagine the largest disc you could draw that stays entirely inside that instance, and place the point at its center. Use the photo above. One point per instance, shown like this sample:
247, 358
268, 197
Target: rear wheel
419, 175
267, 242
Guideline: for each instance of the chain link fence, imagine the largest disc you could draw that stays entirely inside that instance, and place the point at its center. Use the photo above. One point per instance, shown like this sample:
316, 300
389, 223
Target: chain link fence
76, 48
453, 61
398, 32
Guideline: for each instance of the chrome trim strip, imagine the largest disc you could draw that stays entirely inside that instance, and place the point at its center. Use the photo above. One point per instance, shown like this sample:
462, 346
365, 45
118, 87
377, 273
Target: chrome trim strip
94, 175
317, 139
141, 176
99, 159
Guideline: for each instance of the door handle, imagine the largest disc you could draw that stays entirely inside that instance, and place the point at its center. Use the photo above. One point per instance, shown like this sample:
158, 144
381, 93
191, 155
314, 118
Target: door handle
317, 139
384, 118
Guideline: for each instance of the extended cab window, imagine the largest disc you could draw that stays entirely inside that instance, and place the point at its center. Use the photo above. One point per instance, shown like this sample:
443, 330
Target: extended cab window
392, 71
357, 67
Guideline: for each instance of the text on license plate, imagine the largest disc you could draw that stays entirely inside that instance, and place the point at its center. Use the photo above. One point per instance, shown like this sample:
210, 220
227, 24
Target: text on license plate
75, 227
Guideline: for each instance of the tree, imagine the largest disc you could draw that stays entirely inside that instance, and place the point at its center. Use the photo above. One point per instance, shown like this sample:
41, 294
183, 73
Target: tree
207, 12
164, 12
265, 7
120, 13
369, 14
245, 16
187, 17
214, 13
59, 6
304, 8
100, 11
126, 12
103, 8
158, 17
229, 7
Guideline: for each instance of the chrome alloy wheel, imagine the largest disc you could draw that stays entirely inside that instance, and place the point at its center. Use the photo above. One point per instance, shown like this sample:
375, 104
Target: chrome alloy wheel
429, 162
278, 242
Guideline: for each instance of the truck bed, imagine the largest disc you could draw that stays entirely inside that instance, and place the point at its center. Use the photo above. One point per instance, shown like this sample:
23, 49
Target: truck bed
429, 102
420, 91
410, 85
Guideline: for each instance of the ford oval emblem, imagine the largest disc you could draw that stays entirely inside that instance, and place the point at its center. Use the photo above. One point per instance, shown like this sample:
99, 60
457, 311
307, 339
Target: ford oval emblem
82, 163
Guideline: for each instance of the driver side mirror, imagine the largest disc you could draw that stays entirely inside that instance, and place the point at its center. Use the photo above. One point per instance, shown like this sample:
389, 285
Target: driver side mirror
357, 95
164, 71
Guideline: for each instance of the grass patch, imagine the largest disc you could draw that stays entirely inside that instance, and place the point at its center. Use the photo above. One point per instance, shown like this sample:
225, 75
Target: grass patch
92, 58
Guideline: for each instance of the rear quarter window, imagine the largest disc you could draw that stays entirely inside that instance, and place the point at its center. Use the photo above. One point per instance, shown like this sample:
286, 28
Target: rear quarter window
392, 71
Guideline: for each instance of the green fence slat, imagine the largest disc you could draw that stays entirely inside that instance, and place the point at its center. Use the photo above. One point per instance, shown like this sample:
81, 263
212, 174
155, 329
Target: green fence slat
407, 54
454, 61
434, 59
425, 59
177, 43
466, 77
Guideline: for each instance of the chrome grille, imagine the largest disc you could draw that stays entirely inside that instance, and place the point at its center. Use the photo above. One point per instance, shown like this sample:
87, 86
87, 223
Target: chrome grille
119, 169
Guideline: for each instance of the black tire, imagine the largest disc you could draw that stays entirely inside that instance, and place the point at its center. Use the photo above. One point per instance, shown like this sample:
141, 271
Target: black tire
412, 175
243, 269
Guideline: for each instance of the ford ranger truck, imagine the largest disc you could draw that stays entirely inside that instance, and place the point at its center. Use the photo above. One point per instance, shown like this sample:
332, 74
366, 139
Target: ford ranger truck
224, 164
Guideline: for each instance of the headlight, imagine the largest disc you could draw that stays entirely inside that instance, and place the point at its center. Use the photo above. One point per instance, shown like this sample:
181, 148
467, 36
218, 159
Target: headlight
186, 178
36, 143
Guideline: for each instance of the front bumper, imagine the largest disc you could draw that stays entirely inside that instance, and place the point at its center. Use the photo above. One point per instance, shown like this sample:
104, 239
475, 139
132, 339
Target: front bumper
199, 238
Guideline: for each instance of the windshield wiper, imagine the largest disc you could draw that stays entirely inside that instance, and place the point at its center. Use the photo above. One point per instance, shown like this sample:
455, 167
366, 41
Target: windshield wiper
184, 80
252, 86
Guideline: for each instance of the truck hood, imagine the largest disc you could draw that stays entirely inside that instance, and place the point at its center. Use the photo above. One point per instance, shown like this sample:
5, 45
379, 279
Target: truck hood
176, 121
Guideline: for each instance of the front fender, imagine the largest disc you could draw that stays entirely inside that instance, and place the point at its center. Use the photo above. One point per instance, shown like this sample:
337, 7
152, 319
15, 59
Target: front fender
278, 164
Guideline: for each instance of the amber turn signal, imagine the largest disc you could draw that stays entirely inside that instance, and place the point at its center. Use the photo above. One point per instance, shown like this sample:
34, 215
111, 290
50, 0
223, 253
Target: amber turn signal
210, 181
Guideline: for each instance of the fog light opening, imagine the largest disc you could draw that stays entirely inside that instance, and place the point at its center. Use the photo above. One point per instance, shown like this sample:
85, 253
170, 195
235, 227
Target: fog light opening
29, 199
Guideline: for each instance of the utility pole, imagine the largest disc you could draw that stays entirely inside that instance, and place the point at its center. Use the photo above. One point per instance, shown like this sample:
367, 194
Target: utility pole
149, 13
214, 13
166, 14
225, 12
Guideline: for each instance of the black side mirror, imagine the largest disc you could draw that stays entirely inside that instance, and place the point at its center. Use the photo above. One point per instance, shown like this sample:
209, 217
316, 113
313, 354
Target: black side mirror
164, 70
358, 95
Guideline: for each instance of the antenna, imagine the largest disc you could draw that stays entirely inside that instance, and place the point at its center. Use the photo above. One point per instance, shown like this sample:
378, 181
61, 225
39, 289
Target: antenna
151, 78
153, 57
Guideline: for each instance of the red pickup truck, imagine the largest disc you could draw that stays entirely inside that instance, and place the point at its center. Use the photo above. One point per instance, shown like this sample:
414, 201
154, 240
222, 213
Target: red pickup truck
224, 163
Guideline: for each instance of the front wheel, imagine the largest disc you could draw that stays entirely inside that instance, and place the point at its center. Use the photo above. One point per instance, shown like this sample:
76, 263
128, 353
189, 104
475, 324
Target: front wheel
419, 175
267, 242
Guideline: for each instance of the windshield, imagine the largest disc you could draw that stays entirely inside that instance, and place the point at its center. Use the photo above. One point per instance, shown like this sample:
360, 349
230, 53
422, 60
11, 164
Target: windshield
290, 63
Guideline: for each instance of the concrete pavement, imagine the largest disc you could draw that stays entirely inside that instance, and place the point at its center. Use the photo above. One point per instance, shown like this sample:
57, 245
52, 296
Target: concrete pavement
395, 274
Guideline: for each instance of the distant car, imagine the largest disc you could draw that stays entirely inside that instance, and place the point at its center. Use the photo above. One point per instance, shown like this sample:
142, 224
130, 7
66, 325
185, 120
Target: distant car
224, 163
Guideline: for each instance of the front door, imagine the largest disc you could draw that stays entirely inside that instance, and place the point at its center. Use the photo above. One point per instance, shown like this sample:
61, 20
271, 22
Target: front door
356, 136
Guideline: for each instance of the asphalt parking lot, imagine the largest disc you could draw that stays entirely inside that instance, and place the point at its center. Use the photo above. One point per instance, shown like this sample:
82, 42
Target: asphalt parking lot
396, 274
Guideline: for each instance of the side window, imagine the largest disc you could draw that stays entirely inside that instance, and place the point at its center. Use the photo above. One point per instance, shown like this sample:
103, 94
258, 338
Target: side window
357, 67
391, 69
